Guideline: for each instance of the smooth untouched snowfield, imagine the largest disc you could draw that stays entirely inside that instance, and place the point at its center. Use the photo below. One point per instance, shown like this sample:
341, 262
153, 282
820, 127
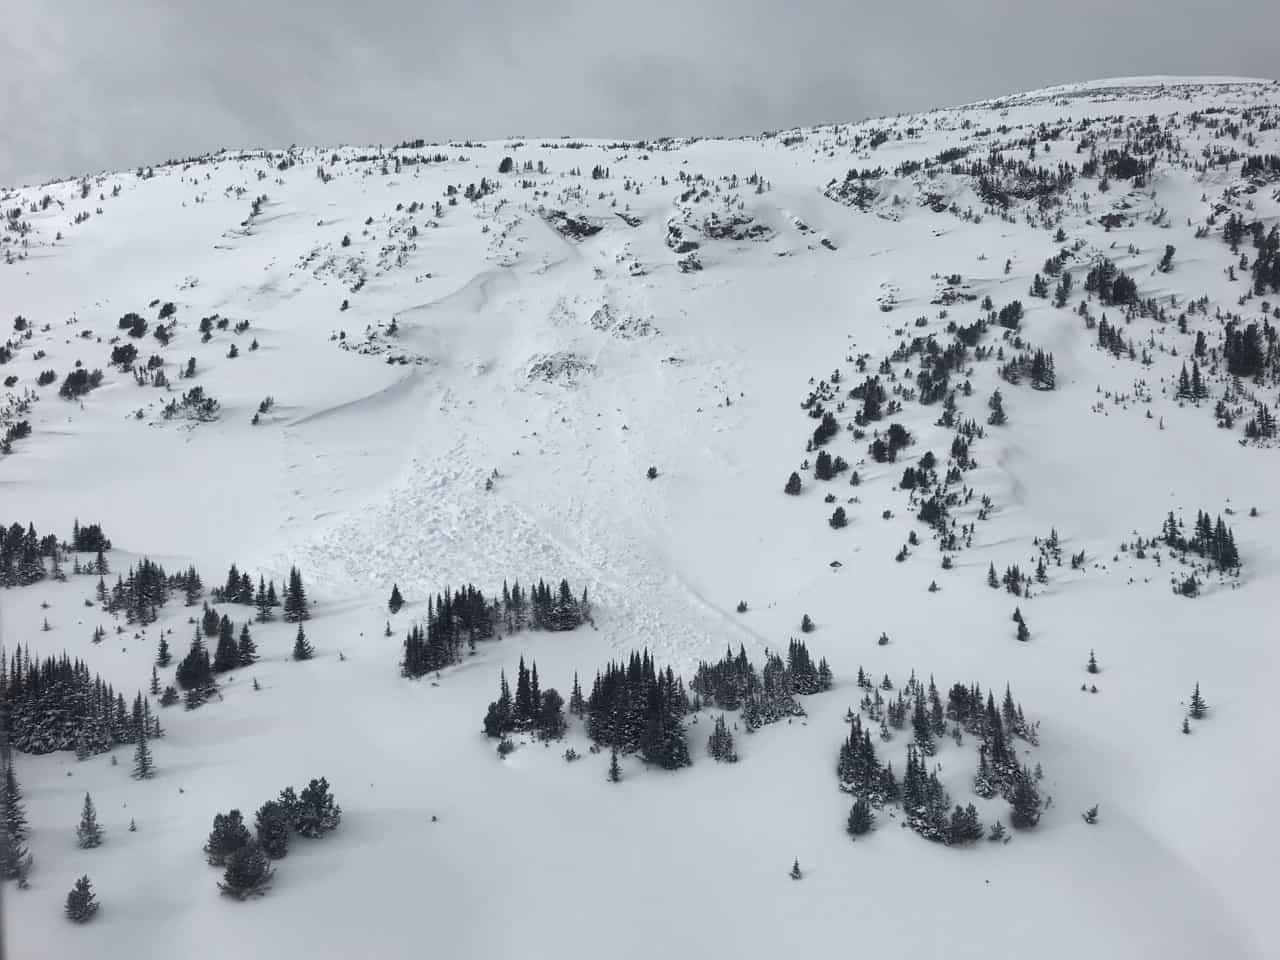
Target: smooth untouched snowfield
366, 473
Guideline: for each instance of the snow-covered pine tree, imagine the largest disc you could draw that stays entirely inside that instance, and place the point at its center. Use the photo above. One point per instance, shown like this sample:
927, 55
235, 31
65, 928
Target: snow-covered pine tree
302, 649
296, 608
272, 825
88, 833
248, 872
81, 905
228, 835
246, 649
144, 767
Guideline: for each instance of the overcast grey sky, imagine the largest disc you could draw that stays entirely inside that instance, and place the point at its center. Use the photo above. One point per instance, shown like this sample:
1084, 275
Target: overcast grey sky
111, 84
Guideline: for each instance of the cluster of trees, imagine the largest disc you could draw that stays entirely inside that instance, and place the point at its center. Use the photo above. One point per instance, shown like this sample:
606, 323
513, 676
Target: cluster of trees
884, 449
1110, 283
1262, 425
925, 802
1266, 262
1191, 387
635, 706
467, 616
764, 696
1215, 542
531, 709
246, 858
196, 671
23, 552
239, 588
1036, 367
57, 704
140, 594
1250, 350
79, 382
1112, 340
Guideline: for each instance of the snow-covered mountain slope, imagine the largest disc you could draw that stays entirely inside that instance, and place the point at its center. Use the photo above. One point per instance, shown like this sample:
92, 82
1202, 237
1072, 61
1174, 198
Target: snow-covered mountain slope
471, 365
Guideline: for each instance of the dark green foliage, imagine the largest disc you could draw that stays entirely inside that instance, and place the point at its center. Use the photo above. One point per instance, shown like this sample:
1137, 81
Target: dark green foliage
965, 826
838, 518
767, 696
15, 860
81, 904
313, 812
302, 649
57, 704
1025, 802
615, 769
79, 382
467, 617
861, 818
195, 672
720, 743
226, 656
143, 765
273, 823
396, 601
296, 607
793, 484
246, 649
1093, 663
551, 722
228, 835
248, 872
88, 832
1198, 707
635, 706
1214, 542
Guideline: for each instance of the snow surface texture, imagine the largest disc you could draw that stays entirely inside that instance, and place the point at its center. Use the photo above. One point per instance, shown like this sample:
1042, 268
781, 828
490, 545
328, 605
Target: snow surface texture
551, 331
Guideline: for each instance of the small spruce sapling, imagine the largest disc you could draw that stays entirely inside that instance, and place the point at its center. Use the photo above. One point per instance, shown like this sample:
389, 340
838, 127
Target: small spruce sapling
88, 833
1198, 707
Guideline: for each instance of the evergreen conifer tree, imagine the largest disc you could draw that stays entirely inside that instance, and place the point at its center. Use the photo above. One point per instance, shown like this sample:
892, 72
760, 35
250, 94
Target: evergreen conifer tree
226, 656
15, 860
262, 602
88, 833
315, 813
272, 824
246, 649
248, 872
1198, 707
396, 601
861, 819
302, 649
793, 484
615, 770
143, 766
163, 657
1025, 801
228, 835
81, 905
295, 599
